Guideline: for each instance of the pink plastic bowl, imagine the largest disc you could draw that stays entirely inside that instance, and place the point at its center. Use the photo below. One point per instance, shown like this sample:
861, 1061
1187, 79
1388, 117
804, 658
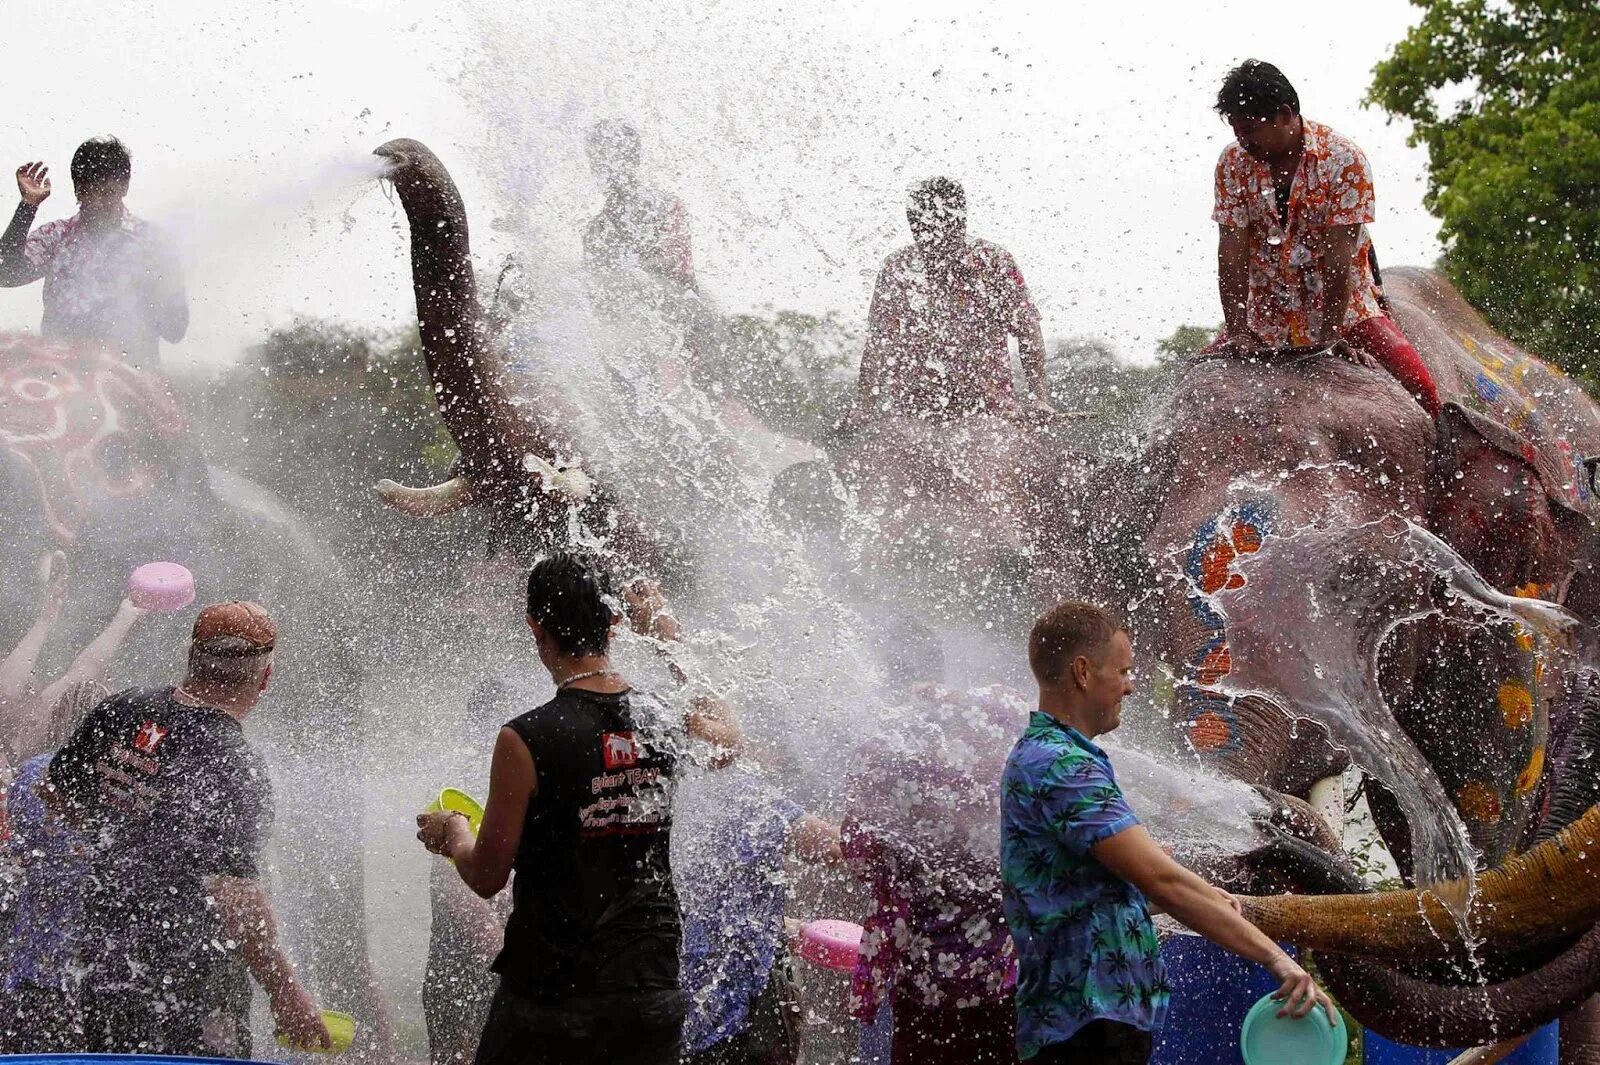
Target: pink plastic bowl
831, 944
164, 586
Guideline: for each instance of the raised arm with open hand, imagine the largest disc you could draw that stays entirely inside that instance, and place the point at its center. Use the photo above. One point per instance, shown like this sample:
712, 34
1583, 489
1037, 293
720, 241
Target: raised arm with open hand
33, 183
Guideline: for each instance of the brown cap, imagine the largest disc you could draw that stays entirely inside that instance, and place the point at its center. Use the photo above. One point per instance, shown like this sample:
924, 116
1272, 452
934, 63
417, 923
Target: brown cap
239, 619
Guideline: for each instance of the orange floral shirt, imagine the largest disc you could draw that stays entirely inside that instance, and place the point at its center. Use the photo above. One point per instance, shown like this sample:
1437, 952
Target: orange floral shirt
1333, 187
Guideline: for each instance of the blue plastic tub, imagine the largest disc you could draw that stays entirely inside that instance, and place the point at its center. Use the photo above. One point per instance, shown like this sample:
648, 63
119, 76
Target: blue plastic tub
1542, 1049
119, 1059
1212, 990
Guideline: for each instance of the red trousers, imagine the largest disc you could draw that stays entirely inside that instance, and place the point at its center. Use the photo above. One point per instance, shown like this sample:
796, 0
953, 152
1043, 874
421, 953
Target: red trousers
1381, 338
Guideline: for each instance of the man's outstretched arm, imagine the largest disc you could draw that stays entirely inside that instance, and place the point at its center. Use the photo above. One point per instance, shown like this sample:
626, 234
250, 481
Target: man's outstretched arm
33, 184
1132, 855
248, 920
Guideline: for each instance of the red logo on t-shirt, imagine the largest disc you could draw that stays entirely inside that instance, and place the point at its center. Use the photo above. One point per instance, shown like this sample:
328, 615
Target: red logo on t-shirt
619, 749
149, 737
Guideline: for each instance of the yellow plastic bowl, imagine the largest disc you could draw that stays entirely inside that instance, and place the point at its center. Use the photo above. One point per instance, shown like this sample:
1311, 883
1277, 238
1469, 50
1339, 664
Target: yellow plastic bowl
341, 1030
460, 802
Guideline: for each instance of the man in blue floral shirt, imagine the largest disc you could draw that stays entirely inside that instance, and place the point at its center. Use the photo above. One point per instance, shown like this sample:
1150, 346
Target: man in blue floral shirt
1077, 867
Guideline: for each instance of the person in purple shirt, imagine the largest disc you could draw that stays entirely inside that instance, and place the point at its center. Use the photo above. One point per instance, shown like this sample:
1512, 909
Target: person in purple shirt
1078, 867
919, 833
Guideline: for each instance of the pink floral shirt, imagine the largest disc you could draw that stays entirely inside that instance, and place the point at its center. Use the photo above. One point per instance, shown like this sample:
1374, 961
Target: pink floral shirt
1333, 187
922, 833
118, 285
936, 349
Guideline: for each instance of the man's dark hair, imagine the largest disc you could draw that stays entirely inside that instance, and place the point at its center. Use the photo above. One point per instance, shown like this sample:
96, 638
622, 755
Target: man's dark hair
943, 190
1064, 632
570, 595
100, 159
1254, 89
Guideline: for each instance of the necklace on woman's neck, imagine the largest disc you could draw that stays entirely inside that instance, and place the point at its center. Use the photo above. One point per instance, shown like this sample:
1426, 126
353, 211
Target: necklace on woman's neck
569, 681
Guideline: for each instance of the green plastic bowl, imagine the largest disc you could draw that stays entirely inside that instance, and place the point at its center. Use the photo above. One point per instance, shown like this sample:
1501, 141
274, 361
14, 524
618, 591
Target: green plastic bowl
1267, 1039
341, 1029
460, 802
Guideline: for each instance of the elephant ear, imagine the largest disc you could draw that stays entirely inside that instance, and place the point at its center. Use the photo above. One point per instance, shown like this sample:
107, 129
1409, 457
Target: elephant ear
1508, 506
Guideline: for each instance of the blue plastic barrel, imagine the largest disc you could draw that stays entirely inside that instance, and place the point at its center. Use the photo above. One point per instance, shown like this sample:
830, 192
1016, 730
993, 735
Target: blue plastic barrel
1543, 1049
1212, 990
119, 1059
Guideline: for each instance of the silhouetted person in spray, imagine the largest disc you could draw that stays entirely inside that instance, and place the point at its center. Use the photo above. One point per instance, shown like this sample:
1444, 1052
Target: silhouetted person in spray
943, 312
108, 276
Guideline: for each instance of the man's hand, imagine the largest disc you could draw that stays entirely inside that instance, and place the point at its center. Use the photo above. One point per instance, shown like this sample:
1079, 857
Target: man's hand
33, 183
1298, 991
439, 832
1345, 350
647, 611
297, 1018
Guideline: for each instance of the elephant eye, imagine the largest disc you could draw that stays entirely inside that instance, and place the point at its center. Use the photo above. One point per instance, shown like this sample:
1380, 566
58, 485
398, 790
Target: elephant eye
1591, 469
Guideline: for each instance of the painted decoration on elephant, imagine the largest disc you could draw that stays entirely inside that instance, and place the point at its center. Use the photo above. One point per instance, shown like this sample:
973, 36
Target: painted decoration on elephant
84, 424
1209, 719
1527, 395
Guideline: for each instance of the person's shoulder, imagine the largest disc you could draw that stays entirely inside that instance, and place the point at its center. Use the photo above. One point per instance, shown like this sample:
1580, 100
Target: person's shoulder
988, 250
1331, 144
1233, 157
131, 701
58, 228
904, 260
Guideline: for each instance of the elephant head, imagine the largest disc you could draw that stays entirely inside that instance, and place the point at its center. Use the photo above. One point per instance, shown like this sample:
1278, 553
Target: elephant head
1270, 493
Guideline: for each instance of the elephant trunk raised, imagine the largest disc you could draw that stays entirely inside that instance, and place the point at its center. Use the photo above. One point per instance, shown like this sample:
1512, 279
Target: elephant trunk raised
514, 456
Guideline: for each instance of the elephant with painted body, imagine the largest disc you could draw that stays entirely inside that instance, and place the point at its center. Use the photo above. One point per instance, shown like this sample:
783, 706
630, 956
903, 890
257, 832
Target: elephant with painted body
97, 461
1275, 515
1245, 455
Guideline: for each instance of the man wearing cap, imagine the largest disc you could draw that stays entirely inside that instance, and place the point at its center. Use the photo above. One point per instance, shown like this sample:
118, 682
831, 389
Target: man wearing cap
179, 806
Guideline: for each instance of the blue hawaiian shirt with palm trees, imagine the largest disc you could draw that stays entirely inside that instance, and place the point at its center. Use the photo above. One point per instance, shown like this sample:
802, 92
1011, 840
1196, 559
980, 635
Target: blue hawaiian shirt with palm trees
1086, 949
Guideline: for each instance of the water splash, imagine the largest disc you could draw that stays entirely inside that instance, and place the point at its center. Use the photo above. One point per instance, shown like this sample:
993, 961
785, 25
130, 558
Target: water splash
1306, 627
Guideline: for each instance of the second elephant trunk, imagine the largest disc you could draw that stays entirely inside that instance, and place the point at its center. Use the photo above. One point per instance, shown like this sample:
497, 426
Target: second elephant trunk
1550, 891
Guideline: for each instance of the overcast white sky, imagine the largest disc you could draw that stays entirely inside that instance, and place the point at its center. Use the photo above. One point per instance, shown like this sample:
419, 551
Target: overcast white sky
1083, 133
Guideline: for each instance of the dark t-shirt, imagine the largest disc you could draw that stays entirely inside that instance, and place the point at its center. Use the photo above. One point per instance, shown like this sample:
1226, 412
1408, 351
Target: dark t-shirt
595, 912
169, 795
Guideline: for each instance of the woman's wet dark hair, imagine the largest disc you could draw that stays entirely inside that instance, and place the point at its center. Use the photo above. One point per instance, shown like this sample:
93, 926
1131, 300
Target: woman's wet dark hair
1254, 89
101, 159
570, 595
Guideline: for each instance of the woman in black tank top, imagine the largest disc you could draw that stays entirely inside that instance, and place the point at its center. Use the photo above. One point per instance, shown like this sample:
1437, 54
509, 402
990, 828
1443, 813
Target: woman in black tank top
580, 807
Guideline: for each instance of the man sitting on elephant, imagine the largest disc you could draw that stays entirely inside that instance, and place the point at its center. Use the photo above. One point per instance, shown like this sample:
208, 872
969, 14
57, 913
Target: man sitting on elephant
108, 276
637, 224
1294, 262
943, 311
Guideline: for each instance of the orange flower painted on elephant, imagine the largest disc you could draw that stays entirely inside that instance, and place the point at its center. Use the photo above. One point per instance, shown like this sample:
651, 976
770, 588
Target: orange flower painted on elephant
1216, 565
1478, 801
1209, 731
1531, 773
1516, 703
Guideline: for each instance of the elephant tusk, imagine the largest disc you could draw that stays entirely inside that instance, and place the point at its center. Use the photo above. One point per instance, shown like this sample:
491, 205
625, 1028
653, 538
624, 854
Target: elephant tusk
434, 502
1549, 891
570, 483
1327, 798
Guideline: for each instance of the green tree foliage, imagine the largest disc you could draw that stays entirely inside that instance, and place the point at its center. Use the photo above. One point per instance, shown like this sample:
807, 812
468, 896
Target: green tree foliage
1185, 341
318, 412
795, 371
1505, 94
